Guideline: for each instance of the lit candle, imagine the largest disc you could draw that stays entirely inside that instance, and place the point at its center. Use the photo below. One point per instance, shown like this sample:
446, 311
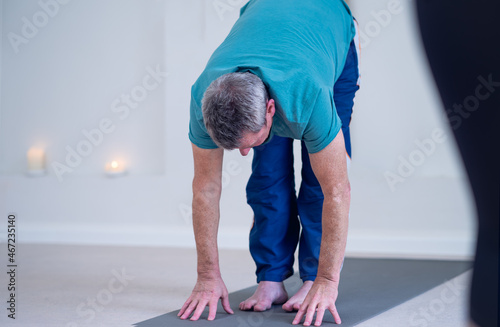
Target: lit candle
115, 168
36, 161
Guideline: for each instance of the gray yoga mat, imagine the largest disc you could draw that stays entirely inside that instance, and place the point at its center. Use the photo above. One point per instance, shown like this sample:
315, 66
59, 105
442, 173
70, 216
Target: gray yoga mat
368, 287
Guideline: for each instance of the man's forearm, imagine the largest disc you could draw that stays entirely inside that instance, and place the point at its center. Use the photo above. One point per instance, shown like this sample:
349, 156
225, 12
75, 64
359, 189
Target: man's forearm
329, 166
206, 225
335, 223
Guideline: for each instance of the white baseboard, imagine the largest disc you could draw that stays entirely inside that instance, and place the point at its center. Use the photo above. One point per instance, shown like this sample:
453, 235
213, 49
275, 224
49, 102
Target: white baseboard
122, 235
424, 244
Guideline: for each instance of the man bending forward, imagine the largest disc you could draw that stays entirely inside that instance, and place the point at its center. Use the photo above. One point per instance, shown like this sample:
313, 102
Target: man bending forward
287, 70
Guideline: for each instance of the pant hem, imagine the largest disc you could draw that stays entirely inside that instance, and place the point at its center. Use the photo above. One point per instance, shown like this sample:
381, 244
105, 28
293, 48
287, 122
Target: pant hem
273, 277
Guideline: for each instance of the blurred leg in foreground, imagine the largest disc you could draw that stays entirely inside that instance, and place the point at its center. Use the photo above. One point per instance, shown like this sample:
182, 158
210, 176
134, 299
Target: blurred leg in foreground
462, 41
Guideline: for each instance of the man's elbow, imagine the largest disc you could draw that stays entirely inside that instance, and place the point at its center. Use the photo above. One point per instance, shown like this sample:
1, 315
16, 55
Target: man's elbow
206, 187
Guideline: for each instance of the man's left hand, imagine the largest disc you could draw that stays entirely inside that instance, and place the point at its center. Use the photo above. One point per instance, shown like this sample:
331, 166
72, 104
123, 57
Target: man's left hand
321, 297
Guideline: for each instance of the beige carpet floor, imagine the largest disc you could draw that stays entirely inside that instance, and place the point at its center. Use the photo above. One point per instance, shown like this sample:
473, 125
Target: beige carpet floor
118, 286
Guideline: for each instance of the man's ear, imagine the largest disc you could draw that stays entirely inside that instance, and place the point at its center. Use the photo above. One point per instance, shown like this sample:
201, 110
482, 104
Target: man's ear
270, 109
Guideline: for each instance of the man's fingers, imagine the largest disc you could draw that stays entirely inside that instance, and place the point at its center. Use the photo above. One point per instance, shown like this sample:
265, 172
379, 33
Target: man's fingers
184, 307
189, 309
335, 315
298, 316
310, 314
205, 293
212, 309
226, 305
199, 310
319, 316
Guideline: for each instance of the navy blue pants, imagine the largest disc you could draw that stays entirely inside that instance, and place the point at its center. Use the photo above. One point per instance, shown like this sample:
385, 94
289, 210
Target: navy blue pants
271, 194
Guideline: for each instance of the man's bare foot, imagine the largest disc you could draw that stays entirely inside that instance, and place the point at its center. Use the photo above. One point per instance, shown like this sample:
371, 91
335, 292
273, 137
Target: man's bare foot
267, 294
294, 303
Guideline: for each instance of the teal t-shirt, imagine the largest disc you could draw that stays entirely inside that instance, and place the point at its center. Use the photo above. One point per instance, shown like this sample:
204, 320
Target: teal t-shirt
298, 48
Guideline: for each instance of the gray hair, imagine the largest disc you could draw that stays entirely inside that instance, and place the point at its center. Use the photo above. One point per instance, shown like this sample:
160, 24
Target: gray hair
234, 104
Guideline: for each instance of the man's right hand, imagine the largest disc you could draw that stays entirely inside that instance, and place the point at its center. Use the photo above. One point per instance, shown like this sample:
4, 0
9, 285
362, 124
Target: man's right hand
206, 292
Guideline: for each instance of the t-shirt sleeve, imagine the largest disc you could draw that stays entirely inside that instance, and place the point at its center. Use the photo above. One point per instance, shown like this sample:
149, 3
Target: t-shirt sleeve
197, 131
242, 10
324, 123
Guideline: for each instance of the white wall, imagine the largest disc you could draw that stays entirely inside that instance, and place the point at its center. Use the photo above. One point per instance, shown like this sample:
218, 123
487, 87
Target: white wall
66, 77
396, 108
1, 53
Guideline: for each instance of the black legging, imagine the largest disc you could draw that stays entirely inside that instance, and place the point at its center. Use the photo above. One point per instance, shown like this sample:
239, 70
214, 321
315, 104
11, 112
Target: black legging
462, 41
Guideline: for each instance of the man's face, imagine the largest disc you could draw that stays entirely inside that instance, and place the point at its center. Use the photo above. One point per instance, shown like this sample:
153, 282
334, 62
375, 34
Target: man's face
250, 140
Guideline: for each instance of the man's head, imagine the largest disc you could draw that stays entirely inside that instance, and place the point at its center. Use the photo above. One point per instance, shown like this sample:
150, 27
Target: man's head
237, 111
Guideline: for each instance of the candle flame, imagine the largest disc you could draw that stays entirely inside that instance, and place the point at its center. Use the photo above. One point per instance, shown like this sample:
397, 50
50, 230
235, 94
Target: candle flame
36, 158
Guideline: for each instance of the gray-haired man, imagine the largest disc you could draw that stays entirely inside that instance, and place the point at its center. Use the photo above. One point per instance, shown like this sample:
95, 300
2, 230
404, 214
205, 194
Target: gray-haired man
287, 70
